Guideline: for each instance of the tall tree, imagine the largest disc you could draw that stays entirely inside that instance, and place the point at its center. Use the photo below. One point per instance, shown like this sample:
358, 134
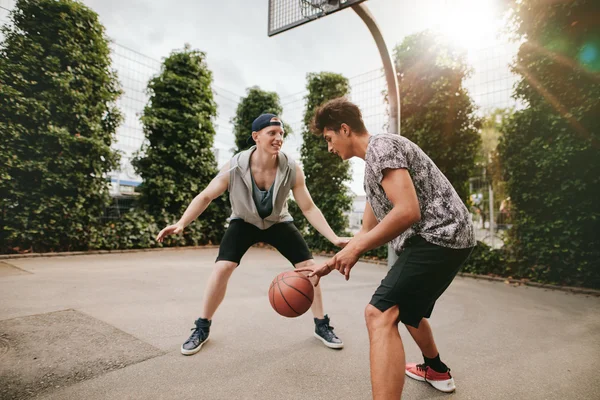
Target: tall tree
549, 150
437, 112
326, 175
256, 102
57, 123
177, 160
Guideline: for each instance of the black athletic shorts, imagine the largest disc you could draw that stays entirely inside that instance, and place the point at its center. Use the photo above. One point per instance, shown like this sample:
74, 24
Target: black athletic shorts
418, 278
284, 236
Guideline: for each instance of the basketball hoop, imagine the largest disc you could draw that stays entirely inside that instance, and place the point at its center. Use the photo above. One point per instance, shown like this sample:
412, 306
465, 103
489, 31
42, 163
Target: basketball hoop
288, 14
312, 8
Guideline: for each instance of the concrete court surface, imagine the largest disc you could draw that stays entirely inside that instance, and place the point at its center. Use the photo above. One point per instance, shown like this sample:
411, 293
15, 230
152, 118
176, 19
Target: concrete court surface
111, 326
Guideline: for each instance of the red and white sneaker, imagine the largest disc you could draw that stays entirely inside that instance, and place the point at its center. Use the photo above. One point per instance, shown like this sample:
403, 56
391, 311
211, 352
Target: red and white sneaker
442, 381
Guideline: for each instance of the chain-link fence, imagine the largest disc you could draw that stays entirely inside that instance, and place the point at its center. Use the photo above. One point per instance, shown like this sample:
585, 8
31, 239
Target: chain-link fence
135, 71
5, 7
367, 91
119, 206
491, 213
491, 84
491, 87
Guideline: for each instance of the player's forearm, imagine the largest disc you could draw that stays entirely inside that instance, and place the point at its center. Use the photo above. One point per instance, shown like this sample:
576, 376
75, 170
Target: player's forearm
360, 234
396, 222
194, 210
317, 220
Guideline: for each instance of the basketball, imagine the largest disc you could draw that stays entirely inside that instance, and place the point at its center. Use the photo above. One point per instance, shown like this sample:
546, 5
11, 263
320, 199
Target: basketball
291, 294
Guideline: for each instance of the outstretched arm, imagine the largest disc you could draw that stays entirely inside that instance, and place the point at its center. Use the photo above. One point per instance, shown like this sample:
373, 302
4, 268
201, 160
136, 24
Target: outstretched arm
215, 188
311, 211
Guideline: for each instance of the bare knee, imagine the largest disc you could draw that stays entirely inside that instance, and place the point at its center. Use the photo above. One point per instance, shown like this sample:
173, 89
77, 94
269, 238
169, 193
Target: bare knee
377, 320
307, 263
224, 269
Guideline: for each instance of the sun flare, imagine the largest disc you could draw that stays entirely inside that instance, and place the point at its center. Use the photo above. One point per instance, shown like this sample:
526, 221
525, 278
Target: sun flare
469, 24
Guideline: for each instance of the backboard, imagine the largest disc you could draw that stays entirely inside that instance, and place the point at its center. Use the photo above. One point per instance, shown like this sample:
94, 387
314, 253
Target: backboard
287, 14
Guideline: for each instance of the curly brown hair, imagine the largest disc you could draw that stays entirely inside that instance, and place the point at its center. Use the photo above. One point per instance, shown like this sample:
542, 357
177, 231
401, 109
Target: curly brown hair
336, 112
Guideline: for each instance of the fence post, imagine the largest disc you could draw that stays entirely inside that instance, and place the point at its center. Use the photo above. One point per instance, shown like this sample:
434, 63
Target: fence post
491, 195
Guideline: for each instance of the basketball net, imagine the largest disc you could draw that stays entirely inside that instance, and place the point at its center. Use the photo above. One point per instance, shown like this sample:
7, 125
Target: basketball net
311, 8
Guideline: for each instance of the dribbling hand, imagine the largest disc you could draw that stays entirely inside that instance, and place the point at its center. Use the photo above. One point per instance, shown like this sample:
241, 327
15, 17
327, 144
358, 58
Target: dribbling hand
316, 271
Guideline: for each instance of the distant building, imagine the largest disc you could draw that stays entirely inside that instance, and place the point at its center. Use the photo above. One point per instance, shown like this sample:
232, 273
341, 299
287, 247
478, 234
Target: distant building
355, 216
124, 181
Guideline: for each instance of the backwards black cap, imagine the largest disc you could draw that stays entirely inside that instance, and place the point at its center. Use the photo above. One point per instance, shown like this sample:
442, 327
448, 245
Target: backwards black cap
261, 122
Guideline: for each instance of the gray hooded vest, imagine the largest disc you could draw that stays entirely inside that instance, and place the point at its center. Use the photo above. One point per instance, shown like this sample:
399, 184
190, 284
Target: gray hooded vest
240, 190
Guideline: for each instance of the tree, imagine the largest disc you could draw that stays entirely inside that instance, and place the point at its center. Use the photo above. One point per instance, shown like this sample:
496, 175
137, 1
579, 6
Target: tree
57, 123
326, 175
255, 103
437, 112
549, 150
177, 160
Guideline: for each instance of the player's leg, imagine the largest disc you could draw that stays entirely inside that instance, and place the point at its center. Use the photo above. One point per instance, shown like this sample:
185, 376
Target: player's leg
317, 304
390, 304
423, 337
432, 370
386, 352
286, 238
323, 329
238, 238
429, 269
216, 286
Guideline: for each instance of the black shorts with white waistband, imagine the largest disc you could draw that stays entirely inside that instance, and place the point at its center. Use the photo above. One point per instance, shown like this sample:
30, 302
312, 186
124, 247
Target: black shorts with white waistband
418, 278
284, 236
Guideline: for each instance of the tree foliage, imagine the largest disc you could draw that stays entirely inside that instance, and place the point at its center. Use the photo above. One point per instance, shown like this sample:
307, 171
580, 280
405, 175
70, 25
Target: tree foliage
326, 174
177, 160
57, 123
134, 229
549, 150
437, 112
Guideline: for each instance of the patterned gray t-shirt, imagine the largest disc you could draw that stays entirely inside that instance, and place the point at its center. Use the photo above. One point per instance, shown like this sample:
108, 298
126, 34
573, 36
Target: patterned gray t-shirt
445, 220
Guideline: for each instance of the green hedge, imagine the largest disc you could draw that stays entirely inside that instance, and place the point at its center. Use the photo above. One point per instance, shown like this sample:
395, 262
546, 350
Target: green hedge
487, 261
177, 162
57, 123
549, 150
326, 174
134, 230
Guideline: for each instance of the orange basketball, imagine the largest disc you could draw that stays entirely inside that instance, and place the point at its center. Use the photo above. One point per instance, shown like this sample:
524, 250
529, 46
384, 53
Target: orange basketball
291, 294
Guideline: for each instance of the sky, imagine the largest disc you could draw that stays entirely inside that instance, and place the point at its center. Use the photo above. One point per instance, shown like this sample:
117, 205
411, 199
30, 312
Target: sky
233, 33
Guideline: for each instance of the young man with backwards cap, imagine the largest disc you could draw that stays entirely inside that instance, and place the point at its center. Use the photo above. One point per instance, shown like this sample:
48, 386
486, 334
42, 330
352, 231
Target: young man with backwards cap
259, 181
